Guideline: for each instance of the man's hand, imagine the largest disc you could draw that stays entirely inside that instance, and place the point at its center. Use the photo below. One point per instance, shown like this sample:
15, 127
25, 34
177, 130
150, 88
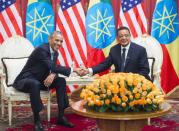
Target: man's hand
50, 78
81, 71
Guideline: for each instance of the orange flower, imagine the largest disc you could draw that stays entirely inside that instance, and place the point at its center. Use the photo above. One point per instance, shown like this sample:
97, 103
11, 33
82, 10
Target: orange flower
124, 98
115, 89
107, 101
125, 89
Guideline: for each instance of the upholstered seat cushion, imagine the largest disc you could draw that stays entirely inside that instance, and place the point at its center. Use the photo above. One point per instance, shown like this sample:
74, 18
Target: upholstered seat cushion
13, 67
13, 93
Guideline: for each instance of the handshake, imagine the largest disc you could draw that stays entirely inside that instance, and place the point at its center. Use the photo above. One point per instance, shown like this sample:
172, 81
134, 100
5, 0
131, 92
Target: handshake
82, 71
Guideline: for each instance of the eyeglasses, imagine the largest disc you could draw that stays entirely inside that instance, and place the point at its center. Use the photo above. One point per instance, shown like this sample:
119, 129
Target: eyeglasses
120, 36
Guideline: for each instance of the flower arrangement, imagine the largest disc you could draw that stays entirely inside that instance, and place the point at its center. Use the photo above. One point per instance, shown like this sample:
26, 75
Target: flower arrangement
122, 92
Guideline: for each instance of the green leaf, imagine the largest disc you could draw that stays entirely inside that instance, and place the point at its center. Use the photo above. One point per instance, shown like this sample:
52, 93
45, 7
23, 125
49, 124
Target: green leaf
103, 108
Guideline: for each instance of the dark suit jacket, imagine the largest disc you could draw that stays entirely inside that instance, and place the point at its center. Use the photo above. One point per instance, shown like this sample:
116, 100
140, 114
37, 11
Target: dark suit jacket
39, 65
136, 60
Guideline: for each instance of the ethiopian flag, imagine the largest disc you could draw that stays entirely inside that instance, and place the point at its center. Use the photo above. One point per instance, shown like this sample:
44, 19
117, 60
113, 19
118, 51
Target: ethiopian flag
39, 21
100, 30
165, 28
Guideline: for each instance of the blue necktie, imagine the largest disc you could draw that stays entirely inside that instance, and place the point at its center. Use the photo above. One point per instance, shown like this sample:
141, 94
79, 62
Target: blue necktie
123, 59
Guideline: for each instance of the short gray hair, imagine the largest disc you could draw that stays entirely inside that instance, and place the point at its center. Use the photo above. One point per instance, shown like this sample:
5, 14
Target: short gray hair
55, 32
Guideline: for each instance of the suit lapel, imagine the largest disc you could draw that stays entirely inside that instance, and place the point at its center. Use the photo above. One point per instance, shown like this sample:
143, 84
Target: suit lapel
118, 52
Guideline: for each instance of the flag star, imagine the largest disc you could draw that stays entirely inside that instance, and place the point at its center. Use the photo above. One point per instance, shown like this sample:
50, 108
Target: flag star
135, 2
75, 0
3, 6
131, 0
125, 3
3, 1
124, 9
63, 6
130, 5
9, 2
69, 3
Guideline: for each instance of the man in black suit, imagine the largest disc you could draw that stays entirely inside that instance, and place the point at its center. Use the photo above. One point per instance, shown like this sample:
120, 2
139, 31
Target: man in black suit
126, 57
40, 73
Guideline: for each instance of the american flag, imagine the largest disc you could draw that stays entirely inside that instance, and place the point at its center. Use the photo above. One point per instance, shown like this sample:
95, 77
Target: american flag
10, 20
71, 22
132, 15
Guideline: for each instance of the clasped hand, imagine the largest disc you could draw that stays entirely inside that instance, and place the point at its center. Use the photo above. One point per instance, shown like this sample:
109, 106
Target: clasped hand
50, 78
82, 71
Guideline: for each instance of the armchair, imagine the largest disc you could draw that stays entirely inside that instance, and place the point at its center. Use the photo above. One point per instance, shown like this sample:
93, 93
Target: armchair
12, 64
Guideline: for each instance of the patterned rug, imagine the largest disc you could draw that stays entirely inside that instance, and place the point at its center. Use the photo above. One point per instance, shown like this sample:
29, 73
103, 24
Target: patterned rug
170, 122
81, 124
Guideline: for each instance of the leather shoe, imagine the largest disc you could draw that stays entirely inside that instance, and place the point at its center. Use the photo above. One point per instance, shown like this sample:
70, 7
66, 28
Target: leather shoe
38, 126
64, 122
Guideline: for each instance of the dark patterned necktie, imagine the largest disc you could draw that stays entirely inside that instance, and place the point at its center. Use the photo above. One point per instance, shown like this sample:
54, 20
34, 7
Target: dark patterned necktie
123, 59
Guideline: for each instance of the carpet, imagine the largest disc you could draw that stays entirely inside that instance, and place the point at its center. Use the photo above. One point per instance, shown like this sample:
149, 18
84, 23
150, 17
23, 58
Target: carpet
170, 122
81, 124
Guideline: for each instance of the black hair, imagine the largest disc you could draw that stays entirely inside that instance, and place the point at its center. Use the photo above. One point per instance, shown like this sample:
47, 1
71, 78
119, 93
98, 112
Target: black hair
123, 28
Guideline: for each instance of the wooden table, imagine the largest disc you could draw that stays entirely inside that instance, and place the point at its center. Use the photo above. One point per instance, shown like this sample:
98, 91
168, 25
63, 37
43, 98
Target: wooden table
120, 121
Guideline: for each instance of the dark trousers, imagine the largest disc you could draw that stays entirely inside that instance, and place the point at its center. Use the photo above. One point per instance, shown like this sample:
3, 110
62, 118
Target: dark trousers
33, 87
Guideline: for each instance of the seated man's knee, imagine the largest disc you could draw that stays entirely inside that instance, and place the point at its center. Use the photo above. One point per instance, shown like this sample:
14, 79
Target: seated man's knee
61, 81
35, 85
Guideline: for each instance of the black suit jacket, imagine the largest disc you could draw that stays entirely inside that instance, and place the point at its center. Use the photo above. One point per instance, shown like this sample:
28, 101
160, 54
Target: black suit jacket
40, 64
136, 60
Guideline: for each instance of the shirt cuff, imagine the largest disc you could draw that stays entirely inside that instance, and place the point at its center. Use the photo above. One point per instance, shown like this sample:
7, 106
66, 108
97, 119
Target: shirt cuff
90, 71
71, 70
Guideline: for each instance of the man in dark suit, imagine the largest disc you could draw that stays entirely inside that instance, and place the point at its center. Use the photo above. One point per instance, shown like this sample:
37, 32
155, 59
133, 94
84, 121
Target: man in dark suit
40, 73
126, 57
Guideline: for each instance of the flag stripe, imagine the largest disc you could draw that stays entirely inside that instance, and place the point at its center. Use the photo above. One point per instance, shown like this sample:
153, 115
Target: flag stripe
17, 16
72, 37
134, 18
75, 40
69, 36
10, 22
143, 18
62, 26
4, 28
12, 16
131, 25
1, 38
70, 21
80, 11
137, 28
122, 19
79, 25
62, 58
77, 34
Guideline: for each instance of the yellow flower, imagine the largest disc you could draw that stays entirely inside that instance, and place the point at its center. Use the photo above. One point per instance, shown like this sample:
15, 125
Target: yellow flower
131, 97
144, 93
126, 89
144, 88
131, 104
149, 101
123, 104
137, 95
108, 92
